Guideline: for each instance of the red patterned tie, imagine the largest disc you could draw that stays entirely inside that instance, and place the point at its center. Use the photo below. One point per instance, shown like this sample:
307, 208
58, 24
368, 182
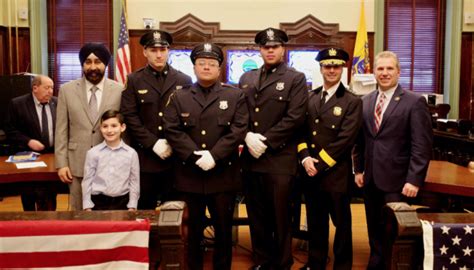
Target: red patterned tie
378, 112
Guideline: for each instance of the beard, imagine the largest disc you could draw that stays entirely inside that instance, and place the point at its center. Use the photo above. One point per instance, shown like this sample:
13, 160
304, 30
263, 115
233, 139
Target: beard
94, 76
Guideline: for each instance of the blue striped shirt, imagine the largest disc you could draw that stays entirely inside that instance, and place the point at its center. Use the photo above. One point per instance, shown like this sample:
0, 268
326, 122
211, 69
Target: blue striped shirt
112, 172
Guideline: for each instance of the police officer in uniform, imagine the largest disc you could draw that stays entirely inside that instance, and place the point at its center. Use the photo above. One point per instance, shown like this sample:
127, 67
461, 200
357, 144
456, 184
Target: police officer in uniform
276, 96
143, 103
333, 120
205, 123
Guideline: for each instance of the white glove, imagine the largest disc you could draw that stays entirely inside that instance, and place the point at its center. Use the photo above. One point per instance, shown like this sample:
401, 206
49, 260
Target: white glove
255, 144
206, 162
162, 149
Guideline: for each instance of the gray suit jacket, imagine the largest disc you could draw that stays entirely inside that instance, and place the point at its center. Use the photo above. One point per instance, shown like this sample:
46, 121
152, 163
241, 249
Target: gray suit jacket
75, 131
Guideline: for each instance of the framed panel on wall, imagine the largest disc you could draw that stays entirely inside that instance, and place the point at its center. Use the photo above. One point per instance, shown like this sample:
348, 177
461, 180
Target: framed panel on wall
180, 60
241, 61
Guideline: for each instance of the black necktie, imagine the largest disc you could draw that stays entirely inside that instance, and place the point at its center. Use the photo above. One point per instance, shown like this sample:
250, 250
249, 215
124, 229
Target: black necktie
323, 97
44, 126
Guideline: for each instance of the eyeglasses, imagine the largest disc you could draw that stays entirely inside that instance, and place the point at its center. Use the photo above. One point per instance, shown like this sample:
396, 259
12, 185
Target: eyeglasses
211, 64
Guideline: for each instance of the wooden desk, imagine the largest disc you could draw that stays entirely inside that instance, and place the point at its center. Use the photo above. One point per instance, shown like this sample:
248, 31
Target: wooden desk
448, 178
9, 173
13, 181
167, 232
404, 234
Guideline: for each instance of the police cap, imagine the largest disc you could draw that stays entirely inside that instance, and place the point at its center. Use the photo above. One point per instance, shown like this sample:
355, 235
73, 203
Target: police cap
156, 38
271, 36
207, 50
332, 57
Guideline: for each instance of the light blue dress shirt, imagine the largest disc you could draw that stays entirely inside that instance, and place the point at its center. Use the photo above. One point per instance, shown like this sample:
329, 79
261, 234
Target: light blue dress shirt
112, 172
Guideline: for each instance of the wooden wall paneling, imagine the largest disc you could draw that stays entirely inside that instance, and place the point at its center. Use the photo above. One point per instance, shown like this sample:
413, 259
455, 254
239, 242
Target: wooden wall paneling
466, 87
24, 55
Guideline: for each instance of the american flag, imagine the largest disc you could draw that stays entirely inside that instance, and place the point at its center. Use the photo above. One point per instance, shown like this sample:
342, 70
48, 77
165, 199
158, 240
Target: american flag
122, 63
448, 246
59, 244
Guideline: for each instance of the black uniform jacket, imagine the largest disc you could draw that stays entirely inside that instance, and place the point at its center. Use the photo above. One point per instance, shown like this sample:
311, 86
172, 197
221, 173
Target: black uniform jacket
217, 123
143, 106
277, 109
330, 132
22, 122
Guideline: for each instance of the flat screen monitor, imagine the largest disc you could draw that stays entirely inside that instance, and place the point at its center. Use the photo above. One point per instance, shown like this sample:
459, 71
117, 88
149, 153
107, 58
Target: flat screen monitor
241, 61
180, 60
304, 61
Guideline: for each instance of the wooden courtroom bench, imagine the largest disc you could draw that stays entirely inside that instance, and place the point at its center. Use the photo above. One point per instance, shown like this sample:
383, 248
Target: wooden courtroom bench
403, 246
167, 233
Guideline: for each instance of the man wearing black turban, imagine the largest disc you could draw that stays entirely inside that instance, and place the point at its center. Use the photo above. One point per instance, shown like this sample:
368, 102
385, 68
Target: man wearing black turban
81, 102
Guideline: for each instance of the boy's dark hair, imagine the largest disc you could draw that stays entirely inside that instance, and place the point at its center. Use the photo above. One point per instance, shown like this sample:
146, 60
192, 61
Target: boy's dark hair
112, 114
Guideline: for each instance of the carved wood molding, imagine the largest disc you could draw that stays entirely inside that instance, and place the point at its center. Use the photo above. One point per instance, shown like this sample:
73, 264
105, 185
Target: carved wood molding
309, 30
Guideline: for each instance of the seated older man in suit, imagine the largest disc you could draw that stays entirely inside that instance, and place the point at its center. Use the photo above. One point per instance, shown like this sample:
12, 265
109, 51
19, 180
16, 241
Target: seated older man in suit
29, 125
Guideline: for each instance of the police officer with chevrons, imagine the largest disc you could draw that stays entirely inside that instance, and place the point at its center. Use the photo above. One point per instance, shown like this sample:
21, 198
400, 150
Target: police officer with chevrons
333, 119
276, 95
205, 123
143, 103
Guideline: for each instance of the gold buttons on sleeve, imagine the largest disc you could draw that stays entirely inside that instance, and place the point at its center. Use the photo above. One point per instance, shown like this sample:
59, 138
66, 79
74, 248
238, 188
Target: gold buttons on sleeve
313, 146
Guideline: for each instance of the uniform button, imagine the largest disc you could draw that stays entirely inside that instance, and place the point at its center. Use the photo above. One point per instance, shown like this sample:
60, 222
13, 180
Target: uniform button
314, 133
160, 128
228, 123
230, 163
203, 132
184, 163
142, 101
185, 123
257, 109
333, 126
255, 123
313, 146
93, 131
280, 98
256, 95
203, 146
316, 121
160, 114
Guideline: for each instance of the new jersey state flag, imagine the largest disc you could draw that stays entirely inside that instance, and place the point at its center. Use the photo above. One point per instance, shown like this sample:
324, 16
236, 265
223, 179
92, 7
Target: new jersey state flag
448, 246
360, 59
91, 245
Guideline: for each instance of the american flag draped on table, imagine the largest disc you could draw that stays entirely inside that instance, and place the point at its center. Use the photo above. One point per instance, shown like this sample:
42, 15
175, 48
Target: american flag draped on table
448, 246
122, 62
74, 244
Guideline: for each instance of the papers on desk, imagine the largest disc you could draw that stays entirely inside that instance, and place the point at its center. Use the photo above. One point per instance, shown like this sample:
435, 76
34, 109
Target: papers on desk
23, 157
29, 165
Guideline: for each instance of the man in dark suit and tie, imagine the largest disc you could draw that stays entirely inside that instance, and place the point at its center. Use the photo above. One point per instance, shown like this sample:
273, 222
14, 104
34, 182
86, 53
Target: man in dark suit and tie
392, 156
29, 125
